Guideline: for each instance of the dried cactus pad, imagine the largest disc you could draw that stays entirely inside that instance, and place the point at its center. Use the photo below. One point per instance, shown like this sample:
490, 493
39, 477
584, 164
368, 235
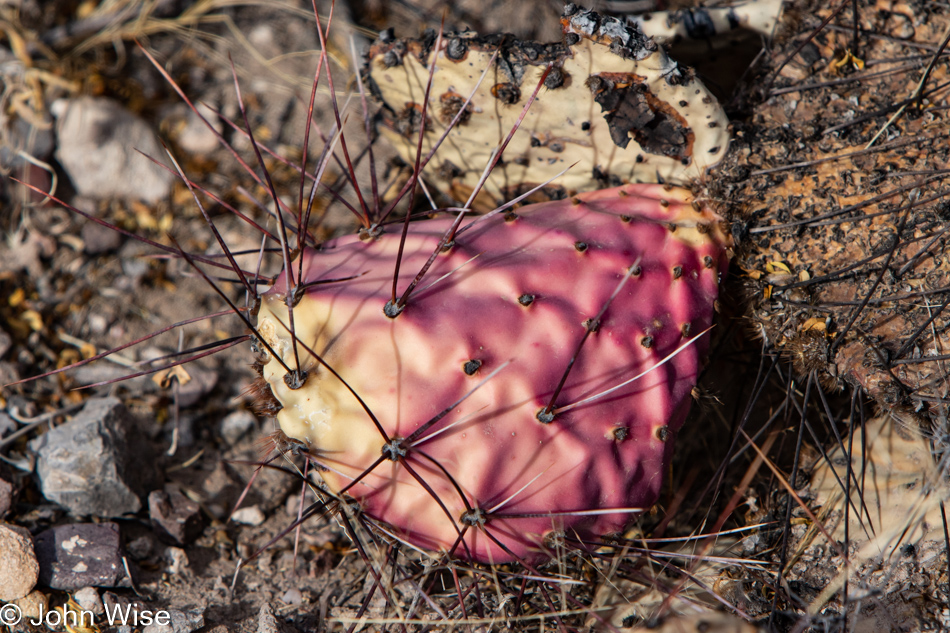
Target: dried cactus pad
847, 249
512, 295
613, 102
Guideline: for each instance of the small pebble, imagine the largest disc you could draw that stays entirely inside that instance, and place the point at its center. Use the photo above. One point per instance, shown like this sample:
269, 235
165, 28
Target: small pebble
266, 622
248, 516
175, 517
236, 425
194, 391
195, 136
5, 343
141, 548
33, 605
292, 596
98, 239
88, 598
178, 559
180, 622
7, 424
6, 497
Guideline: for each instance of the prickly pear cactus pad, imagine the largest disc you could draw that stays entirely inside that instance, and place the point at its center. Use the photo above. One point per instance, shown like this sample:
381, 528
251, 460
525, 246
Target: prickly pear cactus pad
613, 102
840, 181
483, 442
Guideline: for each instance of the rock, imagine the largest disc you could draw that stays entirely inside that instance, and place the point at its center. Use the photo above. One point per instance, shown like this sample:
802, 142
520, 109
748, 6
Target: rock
97, 142
175, 517
292, 596
6, 496
177, 560
112, 602
8, 372
5, 343
180, 622
248, 516
190, 132
141, 548
88, 598
98, 239
7, 424
266, 622
91, 465
194, 391
33, 605
19, 569
236, 425
80, 555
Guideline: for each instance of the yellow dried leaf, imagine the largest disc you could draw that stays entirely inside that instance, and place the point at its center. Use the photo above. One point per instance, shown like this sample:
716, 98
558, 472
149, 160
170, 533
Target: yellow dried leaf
182, 195
85, 9
163, 378
33, 319
777, 267
143, 216
73, 241
839, 65
17, 297
814, 323
67, 357
76, 620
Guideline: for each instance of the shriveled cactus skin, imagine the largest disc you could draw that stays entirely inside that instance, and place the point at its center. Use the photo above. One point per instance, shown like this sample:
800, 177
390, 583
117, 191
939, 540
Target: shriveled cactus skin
613, 102
514, 290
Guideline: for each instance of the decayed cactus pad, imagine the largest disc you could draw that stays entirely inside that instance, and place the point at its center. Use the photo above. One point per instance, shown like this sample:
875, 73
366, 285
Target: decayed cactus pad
533, 383
846, 243
613, 102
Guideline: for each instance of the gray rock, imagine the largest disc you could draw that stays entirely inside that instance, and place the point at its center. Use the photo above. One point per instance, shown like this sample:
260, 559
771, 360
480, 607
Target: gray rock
248, 516
191, 133
19, 569
181, 622
266, 622
88, 598
7, 496
5, 343
236, 425
98, 239
194, 391
95, 464
97, 141
8, 373
80, 555
175, 517
7, 424
141, 548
